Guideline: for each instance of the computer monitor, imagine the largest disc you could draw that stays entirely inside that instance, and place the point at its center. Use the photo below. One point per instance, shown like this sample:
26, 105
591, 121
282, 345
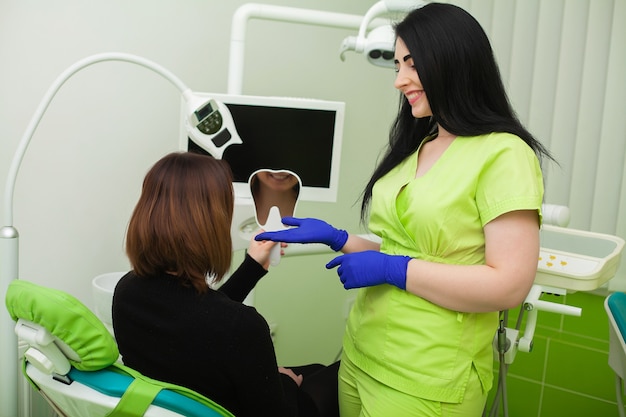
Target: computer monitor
295, 134
279, 133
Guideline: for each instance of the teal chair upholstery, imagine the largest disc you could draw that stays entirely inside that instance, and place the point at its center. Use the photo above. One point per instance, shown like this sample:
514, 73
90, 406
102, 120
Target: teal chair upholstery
615, 306
72, 361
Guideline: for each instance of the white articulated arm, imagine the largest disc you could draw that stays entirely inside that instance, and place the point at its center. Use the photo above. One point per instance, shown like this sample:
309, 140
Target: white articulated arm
533, 305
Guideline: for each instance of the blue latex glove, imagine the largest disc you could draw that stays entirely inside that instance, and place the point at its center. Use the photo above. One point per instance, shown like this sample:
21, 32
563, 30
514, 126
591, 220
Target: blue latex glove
308, 230
369, 268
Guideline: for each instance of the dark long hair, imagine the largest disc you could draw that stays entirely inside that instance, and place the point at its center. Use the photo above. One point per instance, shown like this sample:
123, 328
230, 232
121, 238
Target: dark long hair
461, 79
181, 223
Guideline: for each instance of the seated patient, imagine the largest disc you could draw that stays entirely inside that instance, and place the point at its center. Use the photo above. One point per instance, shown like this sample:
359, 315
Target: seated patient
172, 326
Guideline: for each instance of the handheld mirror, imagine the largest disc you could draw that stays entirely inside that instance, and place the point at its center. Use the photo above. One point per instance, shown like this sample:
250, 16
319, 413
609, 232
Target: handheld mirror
275, 194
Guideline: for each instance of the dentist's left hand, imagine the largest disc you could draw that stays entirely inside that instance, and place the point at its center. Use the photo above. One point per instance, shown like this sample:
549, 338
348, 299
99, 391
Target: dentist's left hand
369, 268
307, 230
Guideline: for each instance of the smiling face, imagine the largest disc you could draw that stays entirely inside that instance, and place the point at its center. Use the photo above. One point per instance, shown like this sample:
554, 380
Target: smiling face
408, 81
278, 181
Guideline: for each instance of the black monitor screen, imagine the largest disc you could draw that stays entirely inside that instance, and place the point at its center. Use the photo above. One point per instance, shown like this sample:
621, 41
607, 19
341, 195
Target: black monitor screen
296, 139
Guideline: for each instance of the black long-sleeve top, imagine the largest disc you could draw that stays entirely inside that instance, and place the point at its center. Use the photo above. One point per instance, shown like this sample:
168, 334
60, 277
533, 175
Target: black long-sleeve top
210, 343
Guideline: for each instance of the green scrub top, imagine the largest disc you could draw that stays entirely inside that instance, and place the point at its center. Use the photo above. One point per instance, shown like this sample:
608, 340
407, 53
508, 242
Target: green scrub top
403, 340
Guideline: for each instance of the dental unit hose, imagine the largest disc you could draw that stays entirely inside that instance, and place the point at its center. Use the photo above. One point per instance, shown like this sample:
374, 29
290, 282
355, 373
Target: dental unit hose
503, 342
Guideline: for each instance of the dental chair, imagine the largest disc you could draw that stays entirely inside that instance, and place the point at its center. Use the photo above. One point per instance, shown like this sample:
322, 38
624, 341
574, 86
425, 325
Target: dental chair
71, 359
615, 306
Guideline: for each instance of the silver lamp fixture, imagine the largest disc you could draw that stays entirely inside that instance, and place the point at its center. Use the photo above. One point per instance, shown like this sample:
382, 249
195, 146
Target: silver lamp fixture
377, 44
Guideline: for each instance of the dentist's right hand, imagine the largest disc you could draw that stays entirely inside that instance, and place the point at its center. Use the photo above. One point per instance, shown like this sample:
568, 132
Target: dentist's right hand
307, 230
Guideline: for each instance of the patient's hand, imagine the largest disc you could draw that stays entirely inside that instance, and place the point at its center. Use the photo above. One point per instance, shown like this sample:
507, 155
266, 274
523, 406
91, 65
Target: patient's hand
297, 378
260, 251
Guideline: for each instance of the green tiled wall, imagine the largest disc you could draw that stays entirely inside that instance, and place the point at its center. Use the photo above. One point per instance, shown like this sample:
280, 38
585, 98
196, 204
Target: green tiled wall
567, 371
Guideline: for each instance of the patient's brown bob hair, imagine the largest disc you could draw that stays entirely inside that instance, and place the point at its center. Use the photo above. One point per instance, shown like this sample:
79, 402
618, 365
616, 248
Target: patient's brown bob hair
181, 224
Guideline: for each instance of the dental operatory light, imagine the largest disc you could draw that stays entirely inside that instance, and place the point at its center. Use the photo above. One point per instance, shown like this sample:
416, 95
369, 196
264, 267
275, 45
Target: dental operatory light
378, 44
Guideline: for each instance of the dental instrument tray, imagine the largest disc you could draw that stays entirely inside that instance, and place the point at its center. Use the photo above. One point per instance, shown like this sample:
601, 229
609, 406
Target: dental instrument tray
577, 260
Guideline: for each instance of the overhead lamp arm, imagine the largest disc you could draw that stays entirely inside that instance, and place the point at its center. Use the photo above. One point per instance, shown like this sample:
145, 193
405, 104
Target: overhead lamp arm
250, 11
45, 102
377, 9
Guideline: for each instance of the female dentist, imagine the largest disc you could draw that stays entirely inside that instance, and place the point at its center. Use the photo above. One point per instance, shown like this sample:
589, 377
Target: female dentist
456, 201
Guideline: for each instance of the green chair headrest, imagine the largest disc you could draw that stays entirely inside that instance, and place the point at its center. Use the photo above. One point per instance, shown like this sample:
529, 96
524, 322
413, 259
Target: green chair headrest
67, 319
